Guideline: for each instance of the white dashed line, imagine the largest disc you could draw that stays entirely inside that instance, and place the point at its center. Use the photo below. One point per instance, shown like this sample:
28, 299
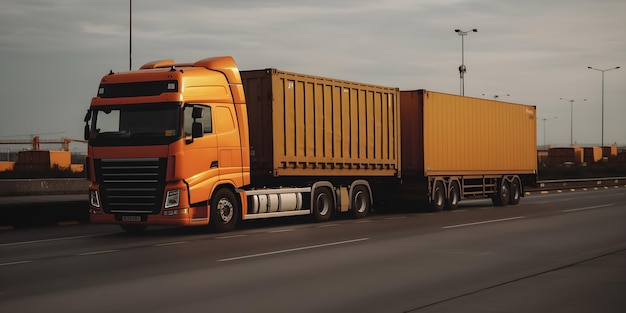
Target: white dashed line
229, 237
170, 243
484, 222
587, 208
97, 252
292, 250
15, 263
281, 230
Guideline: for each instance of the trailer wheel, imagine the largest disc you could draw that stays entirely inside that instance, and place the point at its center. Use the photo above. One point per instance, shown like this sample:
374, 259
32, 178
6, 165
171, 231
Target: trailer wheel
322, 204
360, 202
134, 228
454, 196
516, 191
439, 197
501, 197
224, 211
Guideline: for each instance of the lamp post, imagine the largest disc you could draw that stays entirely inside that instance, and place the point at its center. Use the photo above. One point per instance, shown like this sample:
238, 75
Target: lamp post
544, 130
497, 96
462, 68
571, 127
599, 70
130, 36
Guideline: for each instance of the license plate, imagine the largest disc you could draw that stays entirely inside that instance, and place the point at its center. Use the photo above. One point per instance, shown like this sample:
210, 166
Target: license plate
131, 218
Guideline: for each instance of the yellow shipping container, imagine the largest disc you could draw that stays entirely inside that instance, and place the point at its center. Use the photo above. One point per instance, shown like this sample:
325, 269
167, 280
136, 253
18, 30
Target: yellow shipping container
303, 125
466, 136
592, 154
6, 166
43, 159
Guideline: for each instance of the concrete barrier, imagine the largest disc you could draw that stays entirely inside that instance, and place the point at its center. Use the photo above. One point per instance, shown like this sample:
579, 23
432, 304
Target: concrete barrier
49, 186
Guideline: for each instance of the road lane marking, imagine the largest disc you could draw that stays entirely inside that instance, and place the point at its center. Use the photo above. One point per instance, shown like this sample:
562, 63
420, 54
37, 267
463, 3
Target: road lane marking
228, 237
395, 217
52, 239
170, 243
281, 230
15, 263
97, 252
327, 225
292, 250
587, 208
485, 222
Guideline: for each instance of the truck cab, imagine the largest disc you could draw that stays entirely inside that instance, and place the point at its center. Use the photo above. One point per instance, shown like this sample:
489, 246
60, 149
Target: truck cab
165, 138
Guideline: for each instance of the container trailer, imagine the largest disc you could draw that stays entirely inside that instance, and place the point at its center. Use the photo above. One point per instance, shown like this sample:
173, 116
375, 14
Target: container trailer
456, 147
206, 144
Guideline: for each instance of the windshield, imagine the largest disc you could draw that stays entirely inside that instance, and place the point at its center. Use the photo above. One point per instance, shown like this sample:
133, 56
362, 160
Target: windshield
136, 124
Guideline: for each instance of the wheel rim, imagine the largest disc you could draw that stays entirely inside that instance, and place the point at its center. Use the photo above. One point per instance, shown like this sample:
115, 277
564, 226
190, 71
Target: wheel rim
322, 204
360, 202
439, 196
225, 209
503, 189
454, 195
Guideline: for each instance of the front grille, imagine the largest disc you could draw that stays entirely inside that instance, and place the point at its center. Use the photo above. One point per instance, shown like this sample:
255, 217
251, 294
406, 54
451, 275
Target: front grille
131, 185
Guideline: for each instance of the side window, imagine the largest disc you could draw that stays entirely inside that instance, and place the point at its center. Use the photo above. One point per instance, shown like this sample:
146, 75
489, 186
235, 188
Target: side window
206, 118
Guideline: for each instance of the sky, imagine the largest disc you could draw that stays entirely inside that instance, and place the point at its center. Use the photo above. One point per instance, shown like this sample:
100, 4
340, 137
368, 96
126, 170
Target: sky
536, 52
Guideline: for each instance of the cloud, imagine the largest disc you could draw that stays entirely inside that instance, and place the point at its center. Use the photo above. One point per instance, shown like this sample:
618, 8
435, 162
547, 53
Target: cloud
536, 51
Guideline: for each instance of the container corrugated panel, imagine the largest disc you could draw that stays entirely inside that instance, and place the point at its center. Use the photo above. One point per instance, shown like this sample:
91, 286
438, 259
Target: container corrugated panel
470, 136
62, 159
303, 125
592, 154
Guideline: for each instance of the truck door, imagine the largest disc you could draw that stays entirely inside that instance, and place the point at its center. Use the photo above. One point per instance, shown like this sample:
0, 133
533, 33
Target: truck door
201, 162
228, 144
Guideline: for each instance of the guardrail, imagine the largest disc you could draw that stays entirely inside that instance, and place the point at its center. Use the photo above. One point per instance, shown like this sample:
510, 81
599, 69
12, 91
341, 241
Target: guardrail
49, 186
580, 183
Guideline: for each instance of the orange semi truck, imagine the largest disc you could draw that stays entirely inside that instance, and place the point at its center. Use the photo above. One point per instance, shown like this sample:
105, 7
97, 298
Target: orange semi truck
206, 144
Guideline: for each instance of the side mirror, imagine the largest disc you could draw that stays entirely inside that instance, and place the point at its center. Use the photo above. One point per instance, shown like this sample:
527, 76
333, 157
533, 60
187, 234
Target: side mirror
196, 113
86, 120
86, 132
197, 129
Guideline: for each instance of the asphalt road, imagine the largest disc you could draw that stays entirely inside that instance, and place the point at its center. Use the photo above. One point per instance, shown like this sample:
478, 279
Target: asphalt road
562, 252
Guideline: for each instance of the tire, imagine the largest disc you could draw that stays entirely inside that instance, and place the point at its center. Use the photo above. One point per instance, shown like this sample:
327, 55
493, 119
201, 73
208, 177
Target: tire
515, 191
360, 203
501, 197
439, 197
454, 196
322, 204
134, 229
224, 211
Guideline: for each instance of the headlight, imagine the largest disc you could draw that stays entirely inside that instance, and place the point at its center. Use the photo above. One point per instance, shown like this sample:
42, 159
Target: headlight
94, 200
172, 198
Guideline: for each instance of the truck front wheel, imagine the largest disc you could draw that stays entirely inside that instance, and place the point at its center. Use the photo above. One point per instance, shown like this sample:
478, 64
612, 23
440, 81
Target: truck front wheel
224, 211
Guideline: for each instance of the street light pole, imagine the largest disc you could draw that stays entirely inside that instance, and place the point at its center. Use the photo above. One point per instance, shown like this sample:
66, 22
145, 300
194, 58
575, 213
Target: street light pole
462, 68
571, 127
544, 131
130, 36
599, 70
